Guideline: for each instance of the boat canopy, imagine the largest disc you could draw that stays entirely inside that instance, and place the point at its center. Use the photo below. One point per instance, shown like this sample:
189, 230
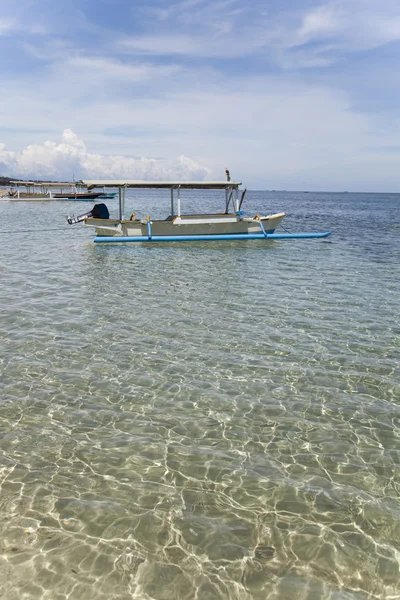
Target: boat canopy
184, 185
44, 183
230, 187
23, 183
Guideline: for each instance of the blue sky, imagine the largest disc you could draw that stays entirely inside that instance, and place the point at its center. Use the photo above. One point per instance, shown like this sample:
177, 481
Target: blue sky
287, 94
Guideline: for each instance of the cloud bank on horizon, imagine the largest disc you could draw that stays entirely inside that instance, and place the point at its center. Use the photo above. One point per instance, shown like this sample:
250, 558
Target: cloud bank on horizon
70, 158
287, 95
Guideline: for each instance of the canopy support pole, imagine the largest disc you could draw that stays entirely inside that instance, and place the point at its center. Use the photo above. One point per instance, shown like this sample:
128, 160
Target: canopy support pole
172, 202
120, 203
179, 200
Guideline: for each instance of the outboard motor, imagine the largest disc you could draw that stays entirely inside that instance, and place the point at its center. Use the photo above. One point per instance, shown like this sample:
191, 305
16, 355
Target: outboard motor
99, 211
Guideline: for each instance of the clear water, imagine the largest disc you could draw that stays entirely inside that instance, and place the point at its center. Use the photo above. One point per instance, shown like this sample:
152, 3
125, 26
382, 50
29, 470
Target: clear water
201, 421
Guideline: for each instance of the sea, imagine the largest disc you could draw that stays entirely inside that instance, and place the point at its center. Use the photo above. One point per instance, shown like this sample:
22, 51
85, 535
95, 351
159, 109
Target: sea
206, 420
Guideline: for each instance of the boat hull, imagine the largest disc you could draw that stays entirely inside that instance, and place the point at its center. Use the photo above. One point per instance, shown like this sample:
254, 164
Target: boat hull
27, 196
180, 228
82, 196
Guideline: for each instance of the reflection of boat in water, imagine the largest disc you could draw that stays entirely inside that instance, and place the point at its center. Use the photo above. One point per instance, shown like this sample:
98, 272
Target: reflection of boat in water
231, 224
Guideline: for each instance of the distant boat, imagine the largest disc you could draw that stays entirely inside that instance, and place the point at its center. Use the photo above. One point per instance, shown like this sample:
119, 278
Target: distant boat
33, 190
42, 190
18, 195
76, 196
108, 195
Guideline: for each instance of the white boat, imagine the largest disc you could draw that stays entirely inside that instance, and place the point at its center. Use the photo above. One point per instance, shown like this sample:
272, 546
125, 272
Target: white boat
230, 224
31, 190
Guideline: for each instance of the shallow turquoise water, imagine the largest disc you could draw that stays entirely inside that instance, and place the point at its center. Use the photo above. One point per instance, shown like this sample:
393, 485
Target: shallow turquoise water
201, 421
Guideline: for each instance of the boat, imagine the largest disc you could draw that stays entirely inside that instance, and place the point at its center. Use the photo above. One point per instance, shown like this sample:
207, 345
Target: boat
77, 196
108, 195
43, 190
31, 190
230, 224
18, 195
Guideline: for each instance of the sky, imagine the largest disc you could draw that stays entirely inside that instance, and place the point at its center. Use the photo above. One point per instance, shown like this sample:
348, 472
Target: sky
287, 94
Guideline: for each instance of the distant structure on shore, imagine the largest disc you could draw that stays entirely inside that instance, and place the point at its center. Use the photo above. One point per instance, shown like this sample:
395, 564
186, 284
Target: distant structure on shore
6, 181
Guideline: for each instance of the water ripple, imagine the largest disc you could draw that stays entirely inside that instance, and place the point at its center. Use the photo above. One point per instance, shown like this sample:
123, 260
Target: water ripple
201, 421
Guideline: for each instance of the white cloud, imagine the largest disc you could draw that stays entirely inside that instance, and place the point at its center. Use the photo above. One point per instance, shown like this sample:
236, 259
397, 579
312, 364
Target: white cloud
345, 26
322, 21
6, 25
269, 133
70, 157
103, 69
190, 45
297, 37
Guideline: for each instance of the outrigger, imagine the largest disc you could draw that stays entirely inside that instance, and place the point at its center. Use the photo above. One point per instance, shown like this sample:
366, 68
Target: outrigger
231, 224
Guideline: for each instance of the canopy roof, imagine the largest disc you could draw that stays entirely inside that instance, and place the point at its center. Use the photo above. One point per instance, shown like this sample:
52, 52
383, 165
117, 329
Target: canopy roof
44, 183
23, 183
187, 185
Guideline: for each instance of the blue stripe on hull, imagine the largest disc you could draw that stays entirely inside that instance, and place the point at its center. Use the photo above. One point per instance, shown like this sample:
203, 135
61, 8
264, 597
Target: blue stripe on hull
105, 239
